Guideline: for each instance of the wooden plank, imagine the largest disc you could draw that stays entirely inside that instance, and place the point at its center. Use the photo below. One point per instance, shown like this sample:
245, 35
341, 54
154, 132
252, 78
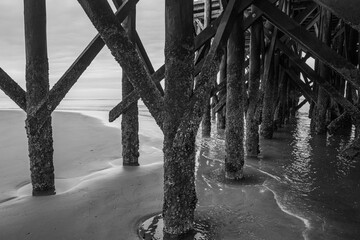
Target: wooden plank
219, 106
300, 105
313, 21
12, 89
318, 49
303, 15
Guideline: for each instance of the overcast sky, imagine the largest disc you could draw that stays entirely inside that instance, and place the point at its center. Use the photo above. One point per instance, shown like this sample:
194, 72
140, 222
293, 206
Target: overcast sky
69, 31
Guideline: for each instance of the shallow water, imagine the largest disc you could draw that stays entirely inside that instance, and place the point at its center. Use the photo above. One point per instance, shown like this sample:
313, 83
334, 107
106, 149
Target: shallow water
308, 178
298, 188
315, 182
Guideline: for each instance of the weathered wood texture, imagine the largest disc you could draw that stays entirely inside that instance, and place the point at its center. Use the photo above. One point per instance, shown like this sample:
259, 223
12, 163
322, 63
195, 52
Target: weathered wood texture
311, 74
252, 125
323, 99
317, 48
39, 135
130, 119
267, 125
206, 122
70, 77
179, 159
345, 9
305, 89
157, 77
234, 132
12, 89
124, 51
222, 93
200, 40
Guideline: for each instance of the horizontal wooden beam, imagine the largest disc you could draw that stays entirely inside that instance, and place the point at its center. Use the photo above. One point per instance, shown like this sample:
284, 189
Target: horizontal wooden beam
12, 89
317, 48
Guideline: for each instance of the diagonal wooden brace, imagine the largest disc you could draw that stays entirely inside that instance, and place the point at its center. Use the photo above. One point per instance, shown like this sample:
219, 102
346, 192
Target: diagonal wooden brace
317, 48
70, 77
124, 51
311, 74
304, 88
194, 113
12, 89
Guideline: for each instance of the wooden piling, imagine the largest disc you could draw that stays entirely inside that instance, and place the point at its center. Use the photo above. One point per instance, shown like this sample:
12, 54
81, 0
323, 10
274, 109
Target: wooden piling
252, 124
320, 123
234, 132
37, 84
222, 93
179, 159
206, 122
130, 119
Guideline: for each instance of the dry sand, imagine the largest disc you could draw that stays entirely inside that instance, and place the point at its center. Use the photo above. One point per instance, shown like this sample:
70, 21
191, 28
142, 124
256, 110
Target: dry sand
97, 198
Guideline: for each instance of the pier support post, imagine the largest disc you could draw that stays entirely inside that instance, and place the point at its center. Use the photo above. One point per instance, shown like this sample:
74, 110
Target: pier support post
252, 125
206, 122
234, 132
37, 84
179, 156
222, 93
320, 123
130, 119
267, 120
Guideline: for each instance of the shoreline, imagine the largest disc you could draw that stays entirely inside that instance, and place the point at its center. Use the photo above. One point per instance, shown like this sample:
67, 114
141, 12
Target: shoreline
101, 199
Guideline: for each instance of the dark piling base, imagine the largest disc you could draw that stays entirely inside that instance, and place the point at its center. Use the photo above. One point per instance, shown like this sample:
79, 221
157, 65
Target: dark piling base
352, 151
44, 192
131, 164
152, 228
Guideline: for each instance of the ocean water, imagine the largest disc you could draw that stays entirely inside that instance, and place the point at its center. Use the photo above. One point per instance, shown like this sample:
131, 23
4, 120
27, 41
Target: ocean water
309, 179
297, 188
310, 183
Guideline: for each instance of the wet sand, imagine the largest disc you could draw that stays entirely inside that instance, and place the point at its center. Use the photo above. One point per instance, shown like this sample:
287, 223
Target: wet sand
97, 198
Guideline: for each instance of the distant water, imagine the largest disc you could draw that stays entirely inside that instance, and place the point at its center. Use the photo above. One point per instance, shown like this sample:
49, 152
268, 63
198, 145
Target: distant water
80, 105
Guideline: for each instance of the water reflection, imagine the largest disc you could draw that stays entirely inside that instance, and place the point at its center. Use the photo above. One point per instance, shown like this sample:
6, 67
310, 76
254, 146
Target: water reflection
299, 188
300, 167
